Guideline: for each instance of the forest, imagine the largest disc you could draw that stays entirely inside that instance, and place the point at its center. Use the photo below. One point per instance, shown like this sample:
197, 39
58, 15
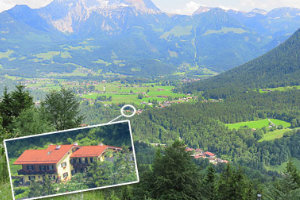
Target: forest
198, 124
279, 67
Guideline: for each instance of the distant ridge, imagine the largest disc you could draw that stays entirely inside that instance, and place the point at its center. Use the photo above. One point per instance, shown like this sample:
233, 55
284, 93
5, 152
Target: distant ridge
69, 35
278, 67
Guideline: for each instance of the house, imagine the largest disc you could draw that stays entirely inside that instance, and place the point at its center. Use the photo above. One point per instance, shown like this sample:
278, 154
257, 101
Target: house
85, 155
59, 162
209, 154
199, 150
52, 162
189, 149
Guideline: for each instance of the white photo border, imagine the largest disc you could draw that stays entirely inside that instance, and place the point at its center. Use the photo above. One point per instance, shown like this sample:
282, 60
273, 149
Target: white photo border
74, 129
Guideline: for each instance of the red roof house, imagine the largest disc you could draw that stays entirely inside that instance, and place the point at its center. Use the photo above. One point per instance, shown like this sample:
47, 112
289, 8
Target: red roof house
209, 154
189, 149
52, 155
92, 151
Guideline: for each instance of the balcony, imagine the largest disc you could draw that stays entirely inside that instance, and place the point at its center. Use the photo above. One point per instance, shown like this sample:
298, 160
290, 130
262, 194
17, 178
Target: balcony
25, 172
80, 165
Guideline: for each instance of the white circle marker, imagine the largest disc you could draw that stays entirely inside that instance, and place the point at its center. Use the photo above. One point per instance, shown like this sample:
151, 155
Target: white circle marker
130, 106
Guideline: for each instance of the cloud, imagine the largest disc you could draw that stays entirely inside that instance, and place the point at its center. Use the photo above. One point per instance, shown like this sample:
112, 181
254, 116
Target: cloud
7, 4
188, 9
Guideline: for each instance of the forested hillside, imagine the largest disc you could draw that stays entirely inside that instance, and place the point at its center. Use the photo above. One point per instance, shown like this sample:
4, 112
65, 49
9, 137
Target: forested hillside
279, 67
203, 125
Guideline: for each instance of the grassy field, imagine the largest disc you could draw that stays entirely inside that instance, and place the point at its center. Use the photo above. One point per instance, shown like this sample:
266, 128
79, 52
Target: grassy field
272, 135
5, 191
281, 89
129, 93
258, 124
119, 92
281, 168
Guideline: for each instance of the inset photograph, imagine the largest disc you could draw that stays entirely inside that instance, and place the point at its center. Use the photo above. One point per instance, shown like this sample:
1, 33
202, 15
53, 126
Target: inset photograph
72, 161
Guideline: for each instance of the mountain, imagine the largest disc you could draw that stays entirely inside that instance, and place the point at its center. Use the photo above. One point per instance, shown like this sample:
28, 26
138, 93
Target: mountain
99, 37
279, 67
71, 15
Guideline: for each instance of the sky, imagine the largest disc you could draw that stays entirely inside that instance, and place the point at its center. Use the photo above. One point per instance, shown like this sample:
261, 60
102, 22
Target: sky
186, 7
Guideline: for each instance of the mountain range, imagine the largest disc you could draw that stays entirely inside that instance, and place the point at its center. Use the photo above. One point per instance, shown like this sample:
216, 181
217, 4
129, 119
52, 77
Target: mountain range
133, 37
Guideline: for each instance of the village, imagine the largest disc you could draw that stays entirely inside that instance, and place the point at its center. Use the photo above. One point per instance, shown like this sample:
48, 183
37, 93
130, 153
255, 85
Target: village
200, 154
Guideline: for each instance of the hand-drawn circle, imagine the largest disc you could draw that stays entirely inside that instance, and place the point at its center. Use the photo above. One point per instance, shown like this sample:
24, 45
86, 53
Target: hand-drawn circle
130, 106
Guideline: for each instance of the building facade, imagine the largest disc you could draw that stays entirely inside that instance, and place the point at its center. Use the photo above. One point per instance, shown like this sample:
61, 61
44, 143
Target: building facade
60, 162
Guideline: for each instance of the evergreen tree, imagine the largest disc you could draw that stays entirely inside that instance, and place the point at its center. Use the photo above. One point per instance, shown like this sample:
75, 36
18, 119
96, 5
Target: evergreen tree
62, 109
31, 122
13, 104
209, 184
225, 186
22, 100
6, 108
292, 171
174, 175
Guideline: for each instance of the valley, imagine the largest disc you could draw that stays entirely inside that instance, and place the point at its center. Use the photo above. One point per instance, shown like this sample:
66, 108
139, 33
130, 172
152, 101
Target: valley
220, 85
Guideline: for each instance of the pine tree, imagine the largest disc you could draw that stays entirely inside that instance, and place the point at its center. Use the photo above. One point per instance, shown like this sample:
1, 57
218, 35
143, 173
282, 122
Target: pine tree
225, 186
22, 100
6, 108
62, 109
293, 172
209, 184
174, 175
13, 104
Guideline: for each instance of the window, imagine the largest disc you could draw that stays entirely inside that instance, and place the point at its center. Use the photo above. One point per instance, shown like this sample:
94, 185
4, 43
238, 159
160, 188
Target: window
30, 167
50, 167
91, 160
65, 175
64, 164
86, 160
42, 168
31, 178
79, 160
74, 161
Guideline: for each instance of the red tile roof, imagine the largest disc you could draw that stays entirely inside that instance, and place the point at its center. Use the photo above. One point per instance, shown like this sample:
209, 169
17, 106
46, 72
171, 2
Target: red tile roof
92, 151
89, 151
189, 149
209, 153
51, 155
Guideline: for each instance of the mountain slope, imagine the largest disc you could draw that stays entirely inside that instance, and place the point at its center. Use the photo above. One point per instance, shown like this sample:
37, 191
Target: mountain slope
279, 67
115, 36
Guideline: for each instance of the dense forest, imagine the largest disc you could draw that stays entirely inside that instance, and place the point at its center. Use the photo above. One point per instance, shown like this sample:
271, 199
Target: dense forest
201, 124
279, 67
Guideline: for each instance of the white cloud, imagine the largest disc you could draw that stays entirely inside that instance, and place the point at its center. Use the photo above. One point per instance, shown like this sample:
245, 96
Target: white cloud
7, 4
188, 6
188, 9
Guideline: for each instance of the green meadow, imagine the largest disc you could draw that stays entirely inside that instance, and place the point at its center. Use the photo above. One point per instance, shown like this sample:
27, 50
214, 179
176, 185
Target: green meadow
129, 93
272, 135
280, 89
119, 92
282, 167
258, 124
